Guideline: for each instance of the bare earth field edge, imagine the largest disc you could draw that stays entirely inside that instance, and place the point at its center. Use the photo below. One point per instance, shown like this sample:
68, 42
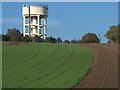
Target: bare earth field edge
104, 72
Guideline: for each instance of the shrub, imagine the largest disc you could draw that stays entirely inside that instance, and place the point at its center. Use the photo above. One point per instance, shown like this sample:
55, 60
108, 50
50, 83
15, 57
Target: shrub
14, 34
66, 41
36, 38
90, 38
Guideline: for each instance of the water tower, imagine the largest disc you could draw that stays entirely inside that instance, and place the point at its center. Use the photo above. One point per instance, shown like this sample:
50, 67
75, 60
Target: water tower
35, 20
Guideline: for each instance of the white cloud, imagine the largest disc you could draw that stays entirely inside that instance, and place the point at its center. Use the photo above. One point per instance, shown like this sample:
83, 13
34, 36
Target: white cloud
54, 23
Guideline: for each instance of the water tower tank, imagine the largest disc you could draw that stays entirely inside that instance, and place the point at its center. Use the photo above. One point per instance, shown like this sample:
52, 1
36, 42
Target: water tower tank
37, 15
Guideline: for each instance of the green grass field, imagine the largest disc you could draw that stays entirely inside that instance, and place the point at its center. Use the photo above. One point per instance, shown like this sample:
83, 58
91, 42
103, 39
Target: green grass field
40, 65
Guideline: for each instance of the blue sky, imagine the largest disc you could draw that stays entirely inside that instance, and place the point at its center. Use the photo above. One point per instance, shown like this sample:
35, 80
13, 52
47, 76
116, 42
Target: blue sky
67, 20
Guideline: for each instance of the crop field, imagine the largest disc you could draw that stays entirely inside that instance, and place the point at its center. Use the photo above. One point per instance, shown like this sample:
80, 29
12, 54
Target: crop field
45, 65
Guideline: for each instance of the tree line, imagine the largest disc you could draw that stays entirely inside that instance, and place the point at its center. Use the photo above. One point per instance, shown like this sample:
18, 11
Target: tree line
15, 35
113, 34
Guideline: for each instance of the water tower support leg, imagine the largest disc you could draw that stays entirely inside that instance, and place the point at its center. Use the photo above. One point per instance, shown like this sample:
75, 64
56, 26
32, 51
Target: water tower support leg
45, 24
24, 25
38, 25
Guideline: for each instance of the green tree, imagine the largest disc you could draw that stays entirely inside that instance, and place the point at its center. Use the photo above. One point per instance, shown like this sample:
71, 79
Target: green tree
36, 38
27, 39
14, 34
4, 37
59, 40
66, 41
78, 41
50, 40
113, 34
73, 41
90, 38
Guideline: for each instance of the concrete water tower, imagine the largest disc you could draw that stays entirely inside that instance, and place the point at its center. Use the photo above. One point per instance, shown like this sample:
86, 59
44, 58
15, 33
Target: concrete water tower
35, 20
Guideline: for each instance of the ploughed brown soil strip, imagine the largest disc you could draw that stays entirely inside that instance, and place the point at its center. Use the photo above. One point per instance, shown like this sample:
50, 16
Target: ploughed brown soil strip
104, 72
